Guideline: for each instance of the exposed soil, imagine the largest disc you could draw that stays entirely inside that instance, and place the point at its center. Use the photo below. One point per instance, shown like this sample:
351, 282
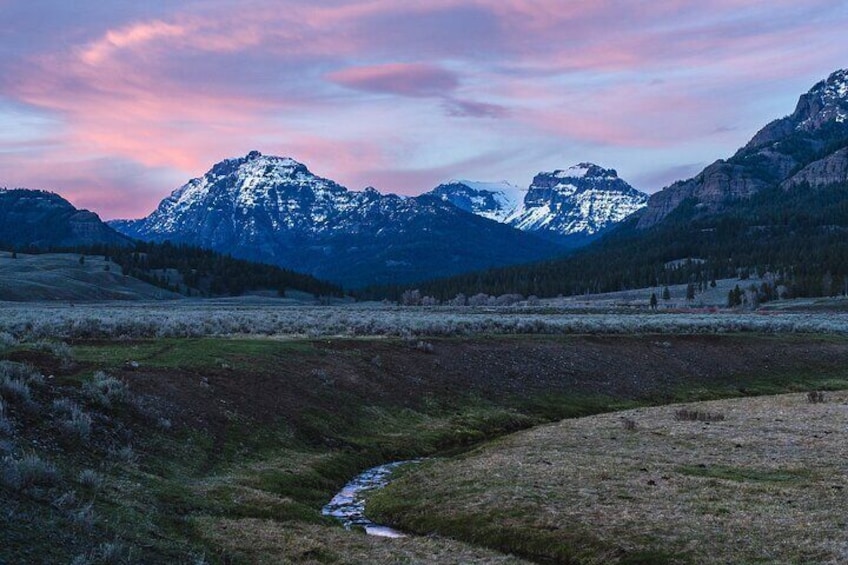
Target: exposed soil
395, 373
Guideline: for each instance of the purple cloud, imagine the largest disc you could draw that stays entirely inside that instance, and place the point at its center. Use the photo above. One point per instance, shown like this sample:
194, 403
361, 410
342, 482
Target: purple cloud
470, 109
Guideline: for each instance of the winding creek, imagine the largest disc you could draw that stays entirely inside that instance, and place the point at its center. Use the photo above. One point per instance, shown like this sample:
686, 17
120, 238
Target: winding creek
348, 506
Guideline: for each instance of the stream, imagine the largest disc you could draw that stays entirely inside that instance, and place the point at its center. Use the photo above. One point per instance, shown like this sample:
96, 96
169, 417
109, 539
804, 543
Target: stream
348, 506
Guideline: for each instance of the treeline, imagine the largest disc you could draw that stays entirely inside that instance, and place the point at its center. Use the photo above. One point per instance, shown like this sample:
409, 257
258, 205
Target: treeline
195, 271
799, 236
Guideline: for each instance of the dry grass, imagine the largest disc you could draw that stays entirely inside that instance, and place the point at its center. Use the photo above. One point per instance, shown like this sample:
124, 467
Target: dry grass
767, 483
271, 542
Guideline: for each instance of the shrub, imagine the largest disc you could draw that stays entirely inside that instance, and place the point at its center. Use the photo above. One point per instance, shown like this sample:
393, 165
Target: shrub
82, 518
15, 380
7, 340
125, 454
64, 406
629, 424
65, 501
687, 415
28, 471
6, 426
22, 371
105, 391
424, 346
58, 349
90, 479
15, 388
815, 397
76, 422
78, 425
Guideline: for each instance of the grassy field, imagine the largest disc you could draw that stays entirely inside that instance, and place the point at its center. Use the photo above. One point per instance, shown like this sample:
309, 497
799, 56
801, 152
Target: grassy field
224, 450
754, 480
61, 276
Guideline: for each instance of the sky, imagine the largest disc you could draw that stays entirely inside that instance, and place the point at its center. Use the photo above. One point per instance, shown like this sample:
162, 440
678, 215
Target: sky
115, 104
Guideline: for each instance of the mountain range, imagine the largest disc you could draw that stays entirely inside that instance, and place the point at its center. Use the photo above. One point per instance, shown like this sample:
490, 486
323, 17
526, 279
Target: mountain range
570, 207
785, 187
779, 206
275, 210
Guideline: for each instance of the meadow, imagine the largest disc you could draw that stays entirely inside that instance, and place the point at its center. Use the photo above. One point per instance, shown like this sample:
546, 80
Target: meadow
750, 480
214, 431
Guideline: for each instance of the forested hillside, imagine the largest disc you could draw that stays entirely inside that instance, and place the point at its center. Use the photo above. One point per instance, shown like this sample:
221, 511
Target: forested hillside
193, 271
799, 235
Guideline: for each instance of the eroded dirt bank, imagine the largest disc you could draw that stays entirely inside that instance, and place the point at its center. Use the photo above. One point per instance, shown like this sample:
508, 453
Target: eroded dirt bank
289, 381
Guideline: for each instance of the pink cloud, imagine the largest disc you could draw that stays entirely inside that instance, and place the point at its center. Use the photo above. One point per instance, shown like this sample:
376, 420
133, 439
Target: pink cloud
178, 88
404, 79
130, 37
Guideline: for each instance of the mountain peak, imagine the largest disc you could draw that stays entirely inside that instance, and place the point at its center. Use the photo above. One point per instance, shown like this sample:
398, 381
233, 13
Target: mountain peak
256, 160
826, 102
585, 170
834, 86
807, 147
585, 199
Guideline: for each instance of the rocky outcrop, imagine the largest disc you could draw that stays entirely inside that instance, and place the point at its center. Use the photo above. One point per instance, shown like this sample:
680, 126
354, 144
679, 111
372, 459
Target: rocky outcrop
832, 169
811, 139
41, 219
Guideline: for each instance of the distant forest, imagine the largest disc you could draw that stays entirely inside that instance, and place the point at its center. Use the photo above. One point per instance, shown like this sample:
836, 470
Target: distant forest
194, 271
798, 236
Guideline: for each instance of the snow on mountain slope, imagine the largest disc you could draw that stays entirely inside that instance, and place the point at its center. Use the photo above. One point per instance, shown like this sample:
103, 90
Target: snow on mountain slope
273, 209
582, 200
491, 200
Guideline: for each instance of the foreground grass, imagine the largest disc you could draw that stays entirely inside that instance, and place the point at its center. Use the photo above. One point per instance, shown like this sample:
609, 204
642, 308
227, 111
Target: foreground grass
224, 450
765, 484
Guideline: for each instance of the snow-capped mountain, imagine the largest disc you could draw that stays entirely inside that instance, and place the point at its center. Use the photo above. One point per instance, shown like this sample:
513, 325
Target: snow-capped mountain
273, 209
577, 203
492, 200
805, 148
582, 200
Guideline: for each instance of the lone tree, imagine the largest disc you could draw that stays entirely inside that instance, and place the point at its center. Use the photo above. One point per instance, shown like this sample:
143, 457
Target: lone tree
734, 297
653, 301
690, 291
666, 295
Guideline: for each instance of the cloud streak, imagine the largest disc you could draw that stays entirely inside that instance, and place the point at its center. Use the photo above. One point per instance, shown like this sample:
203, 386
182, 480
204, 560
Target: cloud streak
403, 79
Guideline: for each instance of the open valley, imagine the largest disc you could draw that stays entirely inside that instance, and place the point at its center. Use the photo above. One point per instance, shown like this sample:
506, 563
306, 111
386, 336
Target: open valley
223, 448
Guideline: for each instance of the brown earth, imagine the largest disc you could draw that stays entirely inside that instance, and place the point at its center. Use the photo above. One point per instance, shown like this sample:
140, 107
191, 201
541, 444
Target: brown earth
500, 369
